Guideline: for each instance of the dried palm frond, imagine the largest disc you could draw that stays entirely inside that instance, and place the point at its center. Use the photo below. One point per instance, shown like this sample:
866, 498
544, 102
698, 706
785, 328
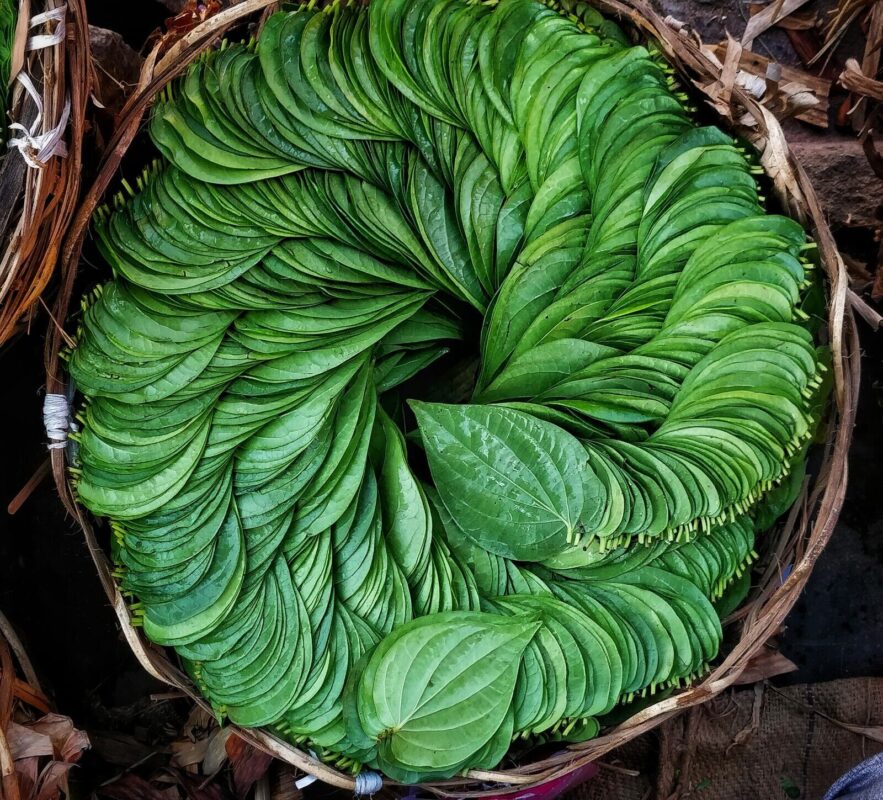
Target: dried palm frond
37, 747
40, 173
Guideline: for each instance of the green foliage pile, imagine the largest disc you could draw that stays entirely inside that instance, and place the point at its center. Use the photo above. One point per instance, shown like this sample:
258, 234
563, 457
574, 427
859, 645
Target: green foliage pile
337, 201
8, 17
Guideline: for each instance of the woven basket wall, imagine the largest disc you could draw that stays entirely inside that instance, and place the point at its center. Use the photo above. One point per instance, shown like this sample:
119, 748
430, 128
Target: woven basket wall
41, 170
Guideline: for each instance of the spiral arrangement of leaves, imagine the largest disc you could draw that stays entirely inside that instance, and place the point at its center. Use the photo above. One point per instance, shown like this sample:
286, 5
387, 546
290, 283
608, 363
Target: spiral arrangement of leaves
415, 585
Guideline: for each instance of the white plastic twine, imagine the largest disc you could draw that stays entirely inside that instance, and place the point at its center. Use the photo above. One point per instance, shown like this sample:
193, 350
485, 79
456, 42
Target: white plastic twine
368, 783
37, 148
48, 39
56, 420
302, 783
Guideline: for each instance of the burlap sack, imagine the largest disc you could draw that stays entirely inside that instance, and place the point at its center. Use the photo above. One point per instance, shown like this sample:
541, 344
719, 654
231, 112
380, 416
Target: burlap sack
758, 743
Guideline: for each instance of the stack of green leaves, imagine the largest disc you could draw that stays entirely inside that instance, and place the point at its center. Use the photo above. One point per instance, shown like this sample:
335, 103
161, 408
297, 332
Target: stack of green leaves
8, 16
415, 585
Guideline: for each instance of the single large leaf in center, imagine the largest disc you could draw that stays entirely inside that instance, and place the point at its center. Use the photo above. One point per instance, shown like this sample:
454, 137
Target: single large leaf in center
511, 482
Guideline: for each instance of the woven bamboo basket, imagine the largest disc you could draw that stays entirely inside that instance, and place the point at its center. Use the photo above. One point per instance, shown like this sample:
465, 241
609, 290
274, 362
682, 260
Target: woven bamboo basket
797, 542
40, 173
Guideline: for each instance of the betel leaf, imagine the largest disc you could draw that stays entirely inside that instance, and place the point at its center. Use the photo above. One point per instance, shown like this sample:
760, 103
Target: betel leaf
8, 15
513, 483
436, 690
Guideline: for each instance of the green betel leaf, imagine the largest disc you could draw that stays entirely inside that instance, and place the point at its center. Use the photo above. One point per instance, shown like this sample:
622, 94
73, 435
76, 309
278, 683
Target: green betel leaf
513, 483
8, 15
438, 689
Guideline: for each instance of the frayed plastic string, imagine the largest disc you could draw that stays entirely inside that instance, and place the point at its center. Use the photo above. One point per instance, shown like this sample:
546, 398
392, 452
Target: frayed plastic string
307, 780
302, 783
43, 40
37, 148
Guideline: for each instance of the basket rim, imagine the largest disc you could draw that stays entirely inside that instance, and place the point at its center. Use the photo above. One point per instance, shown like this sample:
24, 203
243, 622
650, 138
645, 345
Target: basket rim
813, 517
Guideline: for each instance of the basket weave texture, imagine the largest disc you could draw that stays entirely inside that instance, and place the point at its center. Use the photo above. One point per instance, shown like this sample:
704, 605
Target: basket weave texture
799, 541
41, 171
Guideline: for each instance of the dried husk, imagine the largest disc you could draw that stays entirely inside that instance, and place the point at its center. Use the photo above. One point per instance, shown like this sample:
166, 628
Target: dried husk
38, 202
38, 747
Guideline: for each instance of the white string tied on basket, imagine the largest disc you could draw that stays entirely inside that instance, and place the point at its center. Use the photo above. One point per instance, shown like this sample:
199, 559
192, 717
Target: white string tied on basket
57, 420
42, 40
368, 783
37, 148
306, 780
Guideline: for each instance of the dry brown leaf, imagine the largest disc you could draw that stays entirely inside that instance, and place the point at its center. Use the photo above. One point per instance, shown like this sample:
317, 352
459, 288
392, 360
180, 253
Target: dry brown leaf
248, 764
26, 772
765, 665
216, 752
841, 16
52, 783
771, 15
854, 80
202, 743
43, 753
805, 21
25, 742
199, 723
845, 14
774, 158
69, 743
187, 753
870, 65
731, 57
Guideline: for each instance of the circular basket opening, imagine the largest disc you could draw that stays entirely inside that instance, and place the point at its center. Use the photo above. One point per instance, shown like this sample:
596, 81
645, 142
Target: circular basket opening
797, 542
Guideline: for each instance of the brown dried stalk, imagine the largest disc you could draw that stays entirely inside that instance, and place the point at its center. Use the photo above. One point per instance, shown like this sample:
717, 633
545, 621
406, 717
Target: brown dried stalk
841, 17
853, 79
41, 201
